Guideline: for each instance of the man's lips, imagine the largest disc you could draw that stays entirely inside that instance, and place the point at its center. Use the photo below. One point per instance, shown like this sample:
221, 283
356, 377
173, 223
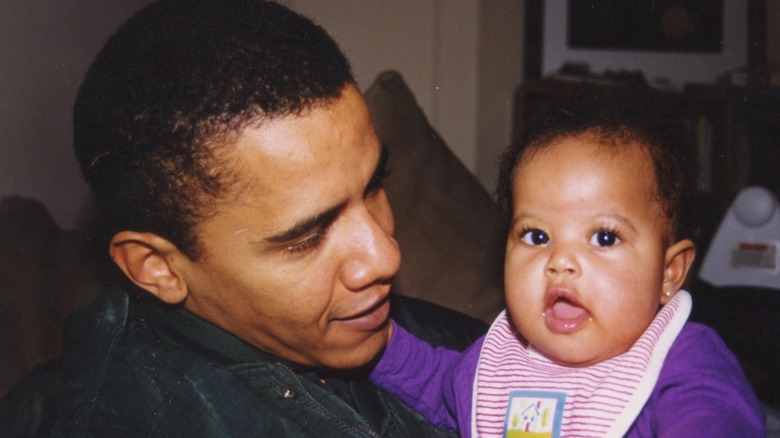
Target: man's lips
563, 313
371, 318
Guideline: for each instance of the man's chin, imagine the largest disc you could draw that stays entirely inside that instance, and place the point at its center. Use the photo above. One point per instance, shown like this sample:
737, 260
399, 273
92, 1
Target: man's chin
356, 358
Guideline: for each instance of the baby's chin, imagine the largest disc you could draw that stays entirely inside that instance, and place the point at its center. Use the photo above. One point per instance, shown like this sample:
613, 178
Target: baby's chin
576, 349
574, 357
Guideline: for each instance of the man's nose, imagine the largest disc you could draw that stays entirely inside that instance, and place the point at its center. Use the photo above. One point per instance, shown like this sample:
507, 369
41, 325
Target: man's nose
373, 254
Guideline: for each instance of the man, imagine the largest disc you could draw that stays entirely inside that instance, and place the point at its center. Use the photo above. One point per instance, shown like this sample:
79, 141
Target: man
240, 176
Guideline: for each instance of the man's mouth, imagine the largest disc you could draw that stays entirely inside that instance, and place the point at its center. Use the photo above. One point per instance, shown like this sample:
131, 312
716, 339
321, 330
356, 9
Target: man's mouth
372, 318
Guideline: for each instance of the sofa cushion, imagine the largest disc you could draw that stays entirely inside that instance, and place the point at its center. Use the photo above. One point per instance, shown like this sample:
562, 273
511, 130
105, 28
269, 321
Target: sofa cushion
447, 224
45, 274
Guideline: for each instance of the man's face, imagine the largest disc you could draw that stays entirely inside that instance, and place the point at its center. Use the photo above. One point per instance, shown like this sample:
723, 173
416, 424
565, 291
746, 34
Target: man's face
298, 260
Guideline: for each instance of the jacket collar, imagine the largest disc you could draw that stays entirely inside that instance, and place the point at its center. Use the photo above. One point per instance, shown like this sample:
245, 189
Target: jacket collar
198, 335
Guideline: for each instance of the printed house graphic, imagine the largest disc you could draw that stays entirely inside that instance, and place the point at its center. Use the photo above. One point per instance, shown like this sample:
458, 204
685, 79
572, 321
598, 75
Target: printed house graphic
534, 414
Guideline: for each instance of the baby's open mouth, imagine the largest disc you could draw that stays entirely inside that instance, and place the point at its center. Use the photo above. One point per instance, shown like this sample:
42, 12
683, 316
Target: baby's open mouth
565, 309
564, 315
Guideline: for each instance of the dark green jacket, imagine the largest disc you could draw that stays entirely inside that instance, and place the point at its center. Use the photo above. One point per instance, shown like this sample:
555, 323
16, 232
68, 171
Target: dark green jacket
133, 369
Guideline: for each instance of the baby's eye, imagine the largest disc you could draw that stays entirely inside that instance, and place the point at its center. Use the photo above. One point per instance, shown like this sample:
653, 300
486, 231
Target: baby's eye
605, 238
535, 237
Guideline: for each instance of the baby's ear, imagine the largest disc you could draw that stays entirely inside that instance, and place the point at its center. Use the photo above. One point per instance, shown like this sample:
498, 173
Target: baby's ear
678, 261
146, 259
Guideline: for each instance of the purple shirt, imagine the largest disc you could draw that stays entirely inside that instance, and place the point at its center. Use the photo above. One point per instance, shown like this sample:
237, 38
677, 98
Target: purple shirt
701, 390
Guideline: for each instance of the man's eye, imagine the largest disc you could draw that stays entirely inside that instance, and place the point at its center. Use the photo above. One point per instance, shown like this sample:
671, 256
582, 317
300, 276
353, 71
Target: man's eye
535, 237
381, 172
308, 244
377, 182
605, 238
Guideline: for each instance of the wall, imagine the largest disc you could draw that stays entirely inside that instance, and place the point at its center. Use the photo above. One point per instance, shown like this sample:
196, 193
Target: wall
500, 72
460, 58
45, 47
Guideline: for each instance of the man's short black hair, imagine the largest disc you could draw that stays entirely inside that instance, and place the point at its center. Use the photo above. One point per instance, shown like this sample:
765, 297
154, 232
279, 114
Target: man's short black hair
177, 82
618, 115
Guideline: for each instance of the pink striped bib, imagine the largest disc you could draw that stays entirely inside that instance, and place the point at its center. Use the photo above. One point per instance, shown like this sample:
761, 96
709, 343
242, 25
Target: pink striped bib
520, 393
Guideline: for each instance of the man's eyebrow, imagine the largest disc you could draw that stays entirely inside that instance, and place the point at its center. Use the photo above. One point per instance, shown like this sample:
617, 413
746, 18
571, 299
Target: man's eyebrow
305, 226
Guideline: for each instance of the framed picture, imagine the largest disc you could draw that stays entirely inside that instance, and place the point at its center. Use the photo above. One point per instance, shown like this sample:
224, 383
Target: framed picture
695, 45
673, 26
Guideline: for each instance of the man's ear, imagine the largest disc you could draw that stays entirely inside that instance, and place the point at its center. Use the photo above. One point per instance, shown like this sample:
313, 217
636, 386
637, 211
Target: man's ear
148, 261
679, 258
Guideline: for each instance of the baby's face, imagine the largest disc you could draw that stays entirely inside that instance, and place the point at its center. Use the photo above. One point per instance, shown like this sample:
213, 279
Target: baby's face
586, 253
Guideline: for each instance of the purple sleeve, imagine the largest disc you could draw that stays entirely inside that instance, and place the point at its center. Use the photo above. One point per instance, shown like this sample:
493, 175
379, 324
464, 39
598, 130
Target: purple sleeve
701, 391
434, 381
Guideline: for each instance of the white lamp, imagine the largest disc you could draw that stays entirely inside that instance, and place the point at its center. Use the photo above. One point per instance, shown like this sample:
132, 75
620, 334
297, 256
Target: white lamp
744, 251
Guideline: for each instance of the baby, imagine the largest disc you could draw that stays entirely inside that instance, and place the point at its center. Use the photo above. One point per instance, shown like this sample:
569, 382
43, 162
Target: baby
595, 339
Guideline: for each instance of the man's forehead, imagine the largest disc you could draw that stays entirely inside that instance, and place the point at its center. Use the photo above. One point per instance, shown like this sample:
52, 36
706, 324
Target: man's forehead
295, 168
308, 130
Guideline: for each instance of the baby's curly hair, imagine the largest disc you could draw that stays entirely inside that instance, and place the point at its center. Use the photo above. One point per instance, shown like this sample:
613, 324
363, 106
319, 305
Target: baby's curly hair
619, 116
174, 86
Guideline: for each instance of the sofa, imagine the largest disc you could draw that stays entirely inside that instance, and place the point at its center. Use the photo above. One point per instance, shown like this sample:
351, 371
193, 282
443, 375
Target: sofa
447, 226
45, 274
